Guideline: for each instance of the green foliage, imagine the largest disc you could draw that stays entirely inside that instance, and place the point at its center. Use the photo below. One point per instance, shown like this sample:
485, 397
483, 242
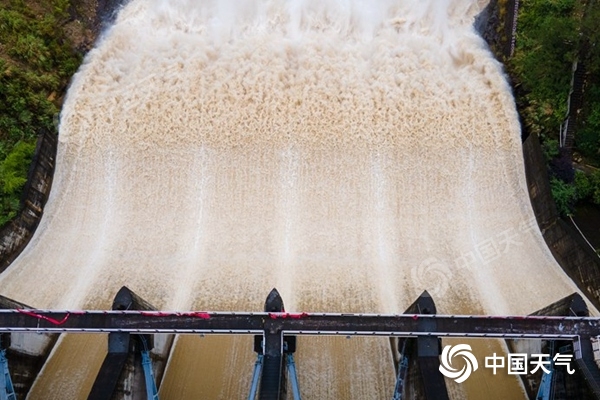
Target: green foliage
551, 35
27, 107
61, 7
587, 136
588, 133
13, 175
13, 170
564, 196
589, 29
36, 62
587, 187
550, 148
583, 186
547, 45
595, 183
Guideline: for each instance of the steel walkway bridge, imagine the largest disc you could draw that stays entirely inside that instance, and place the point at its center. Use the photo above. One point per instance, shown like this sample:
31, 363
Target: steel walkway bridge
276, 330
278, 323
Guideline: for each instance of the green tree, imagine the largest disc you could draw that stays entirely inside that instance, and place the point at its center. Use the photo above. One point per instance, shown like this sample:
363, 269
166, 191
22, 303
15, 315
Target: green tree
36, 62
13, 175
564, 196
547, 45
583, 186
595, 183
551, 36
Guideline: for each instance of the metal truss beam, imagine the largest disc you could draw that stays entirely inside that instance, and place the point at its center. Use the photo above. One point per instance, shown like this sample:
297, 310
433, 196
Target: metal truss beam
533, 327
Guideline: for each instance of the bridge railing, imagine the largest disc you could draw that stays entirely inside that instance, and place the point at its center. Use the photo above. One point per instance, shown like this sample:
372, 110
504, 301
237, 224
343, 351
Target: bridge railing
208, 322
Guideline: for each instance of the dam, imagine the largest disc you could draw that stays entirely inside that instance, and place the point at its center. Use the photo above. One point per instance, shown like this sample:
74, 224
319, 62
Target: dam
349, 153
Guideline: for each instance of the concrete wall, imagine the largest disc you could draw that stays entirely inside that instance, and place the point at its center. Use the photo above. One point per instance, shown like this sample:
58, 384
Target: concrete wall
568, 247
106, 11
497, 24
15, 235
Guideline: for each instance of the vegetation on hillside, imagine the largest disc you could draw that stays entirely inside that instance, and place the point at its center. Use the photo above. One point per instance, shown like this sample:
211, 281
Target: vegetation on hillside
36, 62
551, 36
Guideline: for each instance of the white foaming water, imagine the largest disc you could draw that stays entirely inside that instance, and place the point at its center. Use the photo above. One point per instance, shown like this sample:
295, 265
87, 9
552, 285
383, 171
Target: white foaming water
350, 153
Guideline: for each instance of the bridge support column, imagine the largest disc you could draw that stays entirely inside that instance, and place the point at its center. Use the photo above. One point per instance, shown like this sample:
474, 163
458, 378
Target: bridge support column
7, 390
272, 379
291, 368
120, 376
272, 348
24, 352
417, 360
586, 379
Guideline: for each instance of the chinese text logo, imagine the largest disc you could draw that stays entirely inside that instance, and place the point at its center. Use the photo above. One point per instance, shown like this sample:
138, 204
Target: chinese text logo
515, 363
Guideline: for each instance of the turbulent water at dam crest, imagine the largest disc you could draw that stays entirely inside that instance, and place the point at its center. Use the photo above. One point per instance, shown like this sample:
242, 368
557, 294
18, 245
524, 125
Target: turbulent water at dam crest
350, 153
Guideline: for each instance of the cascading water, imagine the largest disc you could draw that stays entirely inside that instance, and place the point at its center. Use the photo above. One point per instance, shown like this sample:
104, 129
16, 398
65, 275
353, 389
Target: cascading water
350, 153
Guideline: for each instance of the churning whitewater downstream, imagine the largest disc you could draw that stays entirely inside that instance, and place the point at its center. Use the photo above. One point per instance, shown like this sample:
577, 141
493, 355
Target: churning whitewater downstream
350, 153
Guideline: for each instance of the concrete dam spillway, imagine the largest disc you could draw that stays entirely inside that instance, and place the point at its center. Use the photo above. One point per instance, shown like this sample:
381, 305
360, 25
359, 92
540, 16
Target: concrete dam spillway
350, 153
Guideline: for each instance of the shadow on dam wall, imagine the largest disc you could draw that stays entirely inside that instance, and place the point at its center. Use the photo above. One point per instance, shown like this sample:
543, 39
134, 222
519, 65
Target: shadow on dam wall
578, 261
16, 234
569, 249
106, 11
